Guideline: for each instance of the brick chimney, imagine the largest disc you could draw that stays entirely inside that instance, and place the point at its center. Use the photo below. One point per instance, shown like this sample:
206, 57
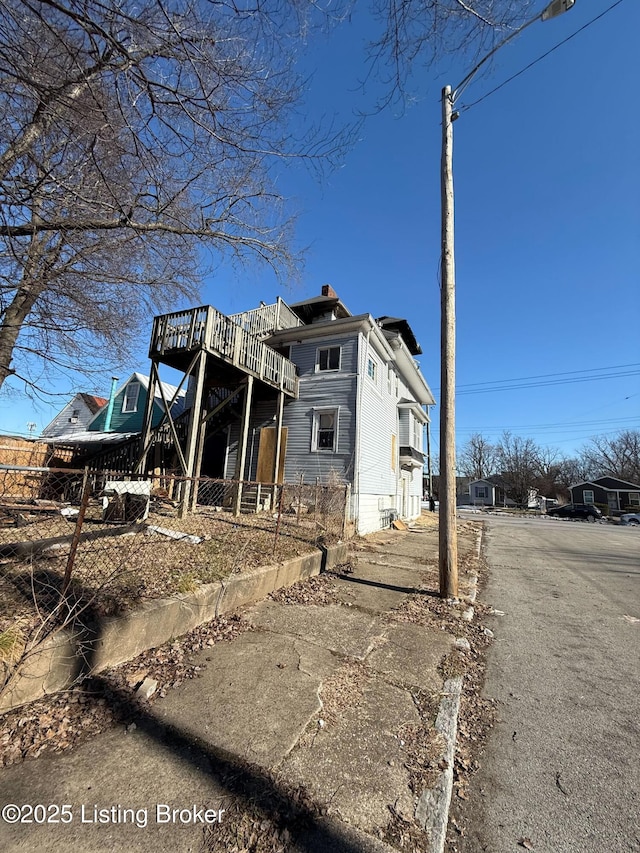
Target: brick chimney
327, 290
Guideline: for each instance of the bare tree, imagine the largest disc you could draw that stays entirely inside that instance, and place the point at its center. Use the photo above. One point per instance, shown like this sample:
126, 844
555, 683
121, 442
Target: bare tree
617, 456
478, 458
417, 33
518, 460
134, 135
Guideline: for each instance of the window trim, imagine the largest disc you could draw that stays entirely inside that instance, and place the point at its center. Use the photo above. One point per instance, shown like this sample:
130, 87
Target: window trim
587, 500
371, 362
127, 410
328, 369
315, 429
634, 498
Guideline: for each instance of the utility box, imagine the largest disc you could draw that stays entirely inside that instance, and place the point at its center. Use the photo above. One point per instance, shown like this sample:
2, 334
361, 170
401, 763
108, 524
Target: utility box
125, 501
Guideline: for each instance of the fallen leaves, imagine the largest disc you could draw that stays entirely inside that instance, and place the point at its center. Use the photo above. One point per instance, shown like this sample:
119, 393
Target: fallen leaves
64, 720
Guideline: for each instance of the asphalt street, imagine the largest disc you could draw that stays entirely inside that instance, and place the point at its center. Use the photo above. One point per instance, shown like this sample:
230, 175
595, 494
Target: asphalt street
561, 773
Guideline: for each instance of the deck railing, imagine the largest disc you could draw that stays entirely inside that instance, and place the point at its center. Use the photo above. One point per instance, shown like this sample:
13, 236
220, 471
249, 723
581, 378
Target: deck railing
267, 319
222, 336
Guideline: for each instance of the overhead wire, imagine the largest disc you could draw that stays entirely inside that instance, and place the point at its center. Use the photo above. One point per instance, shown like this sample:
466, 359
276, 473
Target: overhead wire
465, 107
549, 379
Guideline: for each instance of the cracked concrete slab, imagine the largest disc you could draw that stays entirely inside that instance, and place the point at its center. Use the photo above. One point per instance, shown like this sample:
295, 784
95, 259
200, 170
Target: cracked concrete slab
340, 629
238, 702
158, 772
373, 587
356, 766
411, 655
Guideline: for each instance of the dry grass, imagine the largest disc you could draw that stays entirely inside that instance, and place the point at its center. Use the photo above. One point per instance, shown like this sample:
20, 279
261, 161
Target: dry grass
117, 567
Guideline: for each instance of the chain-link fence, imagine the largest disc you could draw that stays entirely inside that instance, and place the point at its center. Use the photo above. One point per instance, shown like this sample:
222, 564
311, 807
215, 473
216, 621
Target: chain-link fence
96, 543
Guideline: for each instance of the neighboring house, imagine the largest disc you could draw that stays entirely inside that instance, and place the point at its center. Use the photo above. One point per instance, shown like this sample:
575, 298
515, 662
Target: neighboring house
488, 493
493, 492
607, 492
109, 436
75, 416
345, 390
129, 402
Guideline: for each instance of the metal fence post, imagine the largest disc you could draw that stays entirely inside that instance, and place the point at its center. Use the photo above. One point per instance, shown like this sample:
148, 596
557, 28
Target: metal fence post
84, 501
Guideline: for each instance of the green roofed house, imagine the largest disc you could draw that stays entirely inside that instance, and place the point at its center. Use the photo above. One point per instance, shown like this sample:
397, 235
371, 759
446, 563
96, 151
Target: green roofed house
129, 401
105, 433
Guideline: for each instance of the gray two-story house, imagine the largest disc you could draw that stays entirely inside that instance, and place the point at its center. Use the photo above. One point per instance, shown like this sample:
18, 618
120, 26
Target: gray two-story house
334, 397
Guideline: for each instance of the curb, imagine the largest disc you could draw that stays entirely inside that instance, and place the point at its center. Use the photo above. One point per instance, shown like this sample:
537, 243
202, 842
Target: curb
432, 811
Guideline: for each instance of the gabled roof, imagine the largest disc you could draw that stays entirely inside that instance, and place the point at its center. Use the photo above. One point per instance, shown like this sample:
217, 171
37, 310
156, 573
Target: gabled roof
626, 485
92, 402
169, 391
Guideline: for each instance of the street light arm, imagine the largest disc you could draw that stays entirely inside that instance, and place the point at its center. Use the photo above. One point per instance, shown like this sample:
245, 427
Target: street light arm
458, 89
553, 10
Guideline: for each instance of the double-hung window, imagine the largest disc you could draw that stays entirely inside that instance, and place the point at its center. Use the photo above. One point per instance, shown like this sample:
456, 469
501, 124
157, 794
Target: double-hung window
325, 430
130, 402
588, 496
372, 369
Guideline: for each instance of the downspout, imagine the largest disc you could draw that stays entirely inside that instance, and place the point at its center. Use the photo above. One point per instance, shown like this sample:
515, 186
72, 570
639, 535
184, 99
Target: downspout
429, 471
112, 399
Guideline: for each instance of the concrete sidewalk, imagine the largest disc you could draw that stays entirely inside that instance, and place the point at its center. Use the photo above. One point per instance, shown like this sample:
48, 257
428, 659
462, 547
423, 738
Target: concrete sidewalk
313, 731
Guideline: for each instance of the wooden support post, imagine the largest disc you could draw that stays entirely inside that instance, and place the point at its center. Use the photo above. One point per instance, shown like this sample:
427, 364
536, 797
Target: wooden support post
193, 430
197, 467
147, 421
242, 449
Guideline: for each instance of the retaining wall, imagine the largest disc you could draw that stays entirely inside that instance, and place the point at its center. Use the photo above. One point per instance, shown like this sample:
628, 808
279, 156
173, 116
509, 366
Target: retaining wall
65, 657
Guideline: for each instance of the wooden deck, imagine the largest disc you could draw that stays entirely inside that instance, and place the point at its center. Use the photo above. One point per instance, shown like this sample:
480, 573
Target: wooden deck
224, 338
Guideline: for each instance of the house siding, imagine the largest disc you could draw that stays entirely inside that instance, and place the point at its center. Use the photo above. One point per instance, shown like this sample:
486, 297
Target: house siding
482, 484
331, 389
61, 425
380, 486
126, 421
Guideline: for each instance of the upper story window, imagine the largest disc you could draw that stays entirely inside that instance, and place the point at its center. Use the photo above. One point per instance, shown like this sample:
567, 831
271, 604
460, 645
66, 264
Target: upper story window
372, 369
417, 441
130, 402
328, 358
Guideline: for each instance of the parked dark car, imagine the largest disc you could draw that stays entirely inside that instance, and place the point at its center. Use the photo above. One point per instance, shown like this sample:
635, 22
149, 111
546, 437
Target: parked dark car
585, 512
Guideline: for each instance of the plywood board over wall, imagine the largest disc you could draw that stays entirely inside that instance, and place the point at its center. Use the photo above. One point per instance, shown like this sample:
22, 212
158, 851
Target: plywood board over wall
267, 454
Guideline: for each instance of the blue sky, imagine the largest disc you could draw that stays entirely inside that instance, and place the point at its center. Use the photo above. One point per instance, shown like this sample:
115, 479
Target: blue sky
547, 190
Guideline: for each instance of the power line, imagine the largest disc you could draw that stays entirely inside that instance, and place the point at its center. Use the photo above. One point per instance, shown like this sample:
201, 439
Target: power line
547, 379
559, 426
549, 375
573, 381
540, 58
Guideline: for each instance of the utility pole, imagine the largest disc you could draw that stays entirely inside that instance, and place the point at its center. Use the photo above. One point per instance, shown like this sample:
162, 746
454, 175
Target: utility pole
448, 537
